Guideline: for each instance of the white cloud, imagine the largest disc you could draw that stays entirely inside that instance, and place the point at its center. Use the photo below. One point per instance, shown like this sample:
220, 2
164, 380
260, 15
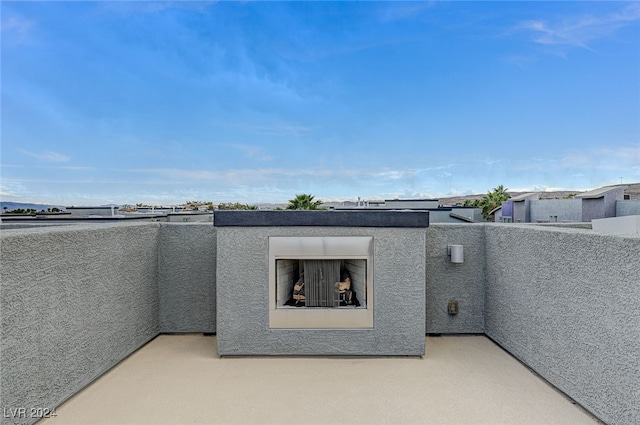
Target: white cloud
393, 174
544, 188
17, 26
47, 156
10, 189
406, 194
76, 168
604, 158
400, 11
624, 153
580, 163
253, 152
7, 193
461, 192
127, 8
281, 177
492, 161
580, 31
521, 61
276, 130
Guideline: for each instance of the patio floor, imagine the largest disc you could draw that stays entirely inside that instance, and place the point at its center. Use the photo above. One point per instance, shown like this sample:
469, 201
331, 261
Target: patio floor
179, 379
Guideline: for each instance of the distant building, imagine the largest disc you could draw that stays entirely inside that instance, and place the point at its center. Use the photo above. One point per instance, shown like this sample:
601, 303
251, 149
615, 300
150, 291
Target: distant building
601, 203
556, 211
409, 204
192, 217
437, 213
158, 210
604, 202
516, 209
105, 211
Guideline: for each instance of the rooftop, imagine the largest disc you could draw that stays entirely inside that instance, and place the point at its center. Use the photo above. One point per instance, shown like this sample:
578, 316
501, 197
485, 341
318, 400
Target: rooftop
80, 303
179, 379
600, 192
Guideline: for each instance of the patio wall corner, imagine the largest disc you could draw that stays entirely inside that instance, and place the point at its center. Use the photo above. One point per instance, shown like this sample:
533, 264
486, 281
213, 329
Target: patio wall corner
564, 302
75, 301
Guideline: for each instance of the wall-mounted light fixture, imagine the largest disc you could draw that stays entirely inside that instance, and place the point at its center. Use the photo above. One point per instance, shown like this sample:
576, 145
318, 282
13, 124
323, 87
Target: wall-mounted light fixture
456, 253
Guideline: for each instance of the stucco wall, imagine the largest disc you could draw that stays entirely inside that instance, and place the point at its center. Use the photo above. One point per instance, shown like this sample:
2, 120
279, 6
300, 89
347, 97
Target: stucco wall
75, 300
627, 207
399, 296
86, 212
611, 198
593, 209
564, 209
522, 211
190, 217
565, 302
14, 226
461, 282
444, 216
186, 281
578, 225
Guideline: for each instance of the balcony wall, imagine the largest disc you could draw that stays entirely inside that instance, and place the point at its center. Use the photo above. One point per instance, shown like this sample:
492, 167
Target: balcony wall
565, 302
447, 281
186, 280
75, 300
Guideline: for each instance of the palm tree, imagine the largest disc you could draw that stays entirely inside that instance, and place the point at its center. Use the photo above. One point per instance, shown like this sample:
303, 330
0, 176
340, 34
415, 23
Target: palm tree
494, 199
477, 203
304, 202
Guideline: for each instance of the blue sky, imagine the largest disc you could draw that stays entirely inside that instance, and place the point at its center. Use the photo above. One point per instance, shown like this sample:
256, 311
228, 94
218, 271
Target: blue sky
167, 102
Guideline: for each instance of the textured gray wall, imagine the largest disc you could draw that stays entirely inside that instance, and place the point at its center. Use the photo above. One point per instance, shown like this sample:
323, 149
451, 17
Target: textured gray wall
190, 217
593, 209
399, 299
522, 211
462, 282
610, 200
86, 212
565, 209
14, 226
75, 300
627, 207
578, 225
565, 302
187, 268
444, 216
601, 207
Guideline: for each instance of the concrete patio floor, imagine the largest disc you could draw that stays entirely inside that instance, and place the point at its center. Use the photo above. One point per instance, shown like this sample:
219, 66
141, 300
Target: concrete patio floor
179, 379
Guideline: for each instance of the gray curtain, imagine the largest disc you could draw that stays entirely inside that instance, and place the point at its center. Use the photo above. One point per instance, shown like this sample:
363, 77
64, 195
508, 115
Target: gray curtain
320, 277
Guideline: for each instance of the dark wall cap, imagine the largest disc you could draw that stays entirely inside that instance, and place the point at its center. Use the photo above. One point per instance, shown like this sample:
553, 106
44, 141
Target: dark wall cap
227, 218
